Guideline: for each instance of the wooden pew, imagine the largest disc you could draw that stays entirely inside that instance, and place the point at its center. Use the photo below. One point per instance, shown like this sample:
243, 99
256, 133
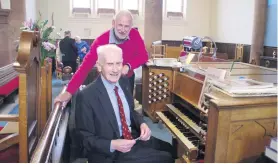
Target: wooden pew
51, 143
19, 147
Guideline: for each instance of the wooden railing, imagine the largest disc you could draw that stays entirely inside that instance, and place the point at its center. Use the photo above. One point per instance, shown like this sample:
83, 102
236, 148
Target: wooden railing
50, 145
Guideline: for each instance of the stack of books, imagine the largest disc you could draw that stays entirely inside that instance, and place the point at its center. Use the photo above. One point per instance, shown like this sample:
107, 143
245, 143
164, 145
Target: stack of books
271, 150
245, 87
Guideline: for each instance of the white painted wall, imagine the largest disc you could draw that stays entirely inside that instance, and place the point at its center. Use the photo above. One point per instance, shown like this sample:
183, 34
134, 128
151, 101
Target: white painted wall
229, 21
30, 12
5, 4
172, 30
232, 21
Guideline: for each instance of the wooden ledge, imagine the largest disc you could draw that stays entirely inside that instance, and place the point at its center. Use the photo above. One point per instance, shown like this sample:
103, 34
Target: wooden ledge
5, 12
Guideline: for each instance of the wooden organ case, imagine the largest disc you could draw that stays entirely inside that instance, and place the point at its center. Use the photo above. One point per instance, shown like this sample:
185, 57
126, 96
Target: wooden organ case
232, 129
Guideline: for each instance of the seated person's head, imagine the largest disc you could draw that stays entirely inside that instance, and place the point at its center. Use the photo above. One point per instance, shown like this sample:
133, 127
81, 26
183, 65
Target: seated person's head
110, 62
77, 39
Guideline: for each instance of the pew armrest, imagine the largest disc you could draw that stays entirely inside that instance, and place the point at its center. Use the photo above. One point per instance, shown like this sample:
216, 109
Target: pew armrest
9, 141
9, 117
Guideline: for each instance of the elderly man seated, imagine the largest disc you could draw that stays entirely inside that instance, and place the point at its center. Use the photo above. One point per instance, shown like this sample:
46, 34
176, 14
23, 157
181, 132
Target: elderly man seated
109, 128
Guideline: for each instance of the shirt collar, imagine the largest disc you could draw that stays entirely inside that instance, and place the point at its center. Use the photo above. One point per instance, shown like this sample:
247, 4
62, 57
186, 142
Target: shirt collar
113, 39
109, 86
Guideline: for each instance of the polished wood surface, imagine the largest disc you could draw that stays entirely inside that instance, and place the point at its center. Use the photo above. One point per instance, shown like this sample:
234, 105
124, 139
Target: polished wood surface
49, 87
46, 92
9, 117
32, 97
28, 66
9, 140
238, 129
44, 148
190, 93
159, 104
173, 52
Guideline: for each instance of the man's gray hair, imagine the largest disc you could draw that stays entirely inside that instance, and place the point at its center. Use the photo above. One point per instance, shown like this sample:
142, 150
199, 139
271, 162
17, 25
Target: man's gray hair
123, 13
105, 49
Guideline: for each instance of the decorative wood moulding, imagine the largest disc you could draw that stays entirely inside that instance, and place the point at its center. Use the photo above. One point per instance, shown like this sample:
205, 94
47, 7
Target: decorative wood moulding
105, 11
174, 14
134, 12
4, 14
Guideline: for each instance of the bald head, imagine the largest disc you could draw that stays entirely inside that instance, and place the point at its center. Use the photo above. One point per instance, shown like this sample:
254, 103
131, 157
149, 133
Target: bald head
123, 13
110, 62
122, 24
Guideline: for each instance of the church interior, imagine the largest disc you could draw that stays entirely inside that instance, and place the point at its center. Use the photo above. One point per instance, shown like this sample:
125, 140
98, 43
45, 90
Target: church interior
209, 87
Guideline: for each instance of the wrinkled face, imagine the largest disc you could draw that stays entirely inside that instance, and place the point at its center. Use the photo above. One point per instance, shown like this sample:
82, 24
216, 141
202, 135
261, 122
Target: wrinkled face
122, 26
111, 66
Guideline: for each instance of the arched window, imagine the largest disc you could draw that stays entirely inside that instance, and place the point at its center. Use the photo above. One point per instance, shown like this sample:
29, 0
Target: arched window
81, 3
175, 8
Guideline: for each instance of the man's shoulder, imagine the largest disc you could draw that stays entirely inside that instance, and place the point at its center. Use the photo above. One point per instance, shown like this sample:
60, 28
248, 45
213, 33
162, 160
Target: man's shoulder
133, 34
103, 37
90, 90
124, 81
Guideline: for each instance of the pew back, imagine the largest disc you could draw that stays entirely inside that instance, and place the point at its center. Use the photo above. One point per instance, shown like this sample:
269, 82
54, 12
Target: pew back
28, 65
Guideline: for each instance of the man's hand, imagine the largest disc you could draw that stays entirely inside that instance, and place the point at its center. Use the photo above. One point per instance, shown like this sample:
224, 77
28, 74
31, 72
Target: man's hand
84, 50
149, 62
122, 145
145, 132
63, 98
125, 69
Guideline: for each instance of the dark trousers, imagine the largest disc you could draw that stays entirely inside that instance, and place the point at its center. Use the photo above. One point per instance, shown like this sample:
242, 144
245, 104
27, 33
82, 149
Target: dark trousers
152, 151
131, 81
72, 64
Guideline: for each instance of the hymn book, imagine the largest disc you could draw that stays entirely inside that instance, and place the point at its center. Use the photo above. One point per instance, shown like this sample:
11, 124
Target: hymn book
245, 87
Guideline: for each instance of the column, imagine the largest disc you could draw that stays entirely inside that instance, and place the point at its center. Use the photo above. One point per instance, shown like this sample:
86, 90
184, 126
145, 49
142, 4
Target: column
152, 22
4, 36
259, 23
16, 18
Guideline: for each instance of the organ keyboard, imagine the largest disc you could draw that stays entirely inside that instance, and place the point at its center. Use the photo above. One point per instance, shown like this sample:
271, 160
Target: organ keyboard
228, 130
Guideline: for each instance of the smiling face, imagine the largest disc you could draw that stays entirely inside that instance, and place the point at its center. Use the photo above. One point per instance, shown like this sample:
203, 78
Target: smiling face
110, 63
122, 26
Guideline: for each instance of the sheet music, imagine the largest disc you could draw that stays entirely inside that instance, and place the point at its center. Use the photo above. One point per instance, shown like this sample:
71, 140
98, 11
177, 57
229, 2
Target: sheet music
211, 73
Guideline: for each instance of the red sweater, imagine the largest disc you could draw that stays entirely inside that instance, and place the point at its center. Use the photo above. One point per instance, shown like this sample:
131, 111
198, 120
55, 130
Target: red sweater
134, 53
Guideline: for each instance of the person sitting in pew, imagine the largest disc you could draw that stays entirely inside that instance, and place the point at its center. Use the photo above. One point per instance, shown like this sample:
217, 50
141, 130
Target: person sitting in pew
109, 128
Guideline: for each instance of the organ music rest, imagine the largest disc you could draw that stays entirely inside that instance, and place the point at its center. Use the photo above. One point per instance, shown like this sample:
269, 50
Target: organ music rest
233, 129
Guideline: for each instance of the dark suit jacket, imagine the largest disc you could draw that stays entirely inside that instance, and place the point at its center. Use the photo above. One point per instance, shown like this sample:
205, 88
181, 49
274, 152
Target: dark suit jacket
96, 123
68, 48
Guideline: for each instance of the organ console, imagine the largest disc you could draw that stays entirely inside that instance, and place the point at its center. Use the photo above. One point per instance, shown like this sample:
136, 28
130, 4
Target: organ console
231, 129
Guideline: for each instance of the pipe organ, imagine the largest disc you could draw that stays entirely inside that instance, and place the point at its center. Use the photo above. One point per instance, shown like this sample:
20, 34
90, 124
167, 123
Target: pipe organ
225, 129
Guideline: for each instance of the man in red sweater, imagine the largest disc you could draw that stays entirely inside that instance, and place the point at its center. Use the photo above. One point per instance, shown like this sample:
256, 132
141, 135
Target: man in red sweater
123, 35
